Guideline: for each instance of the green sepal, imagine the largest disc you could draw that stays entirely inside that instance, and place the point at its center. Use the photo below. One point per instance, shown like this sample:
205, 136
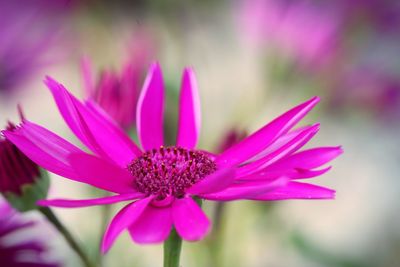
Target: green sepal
31, 193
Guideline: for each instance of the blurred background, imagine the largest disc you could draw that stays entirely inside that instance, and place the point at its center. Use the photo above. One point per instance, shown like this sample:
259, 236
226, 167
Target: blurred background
253, 61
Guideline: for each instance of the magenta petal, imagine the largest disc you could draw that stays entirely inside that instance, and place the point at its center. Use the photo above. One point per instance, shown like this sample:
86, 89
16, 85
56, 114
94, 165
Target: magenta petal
303, 174
265, 175
68, 203
288, 148
102, 115
150, 110
189, 220
153, 226
247, 190
309, 159
215, 182
101, 173
261, 139
124, 218
94, 130
189, 112
45, 148
295, 190
279, 143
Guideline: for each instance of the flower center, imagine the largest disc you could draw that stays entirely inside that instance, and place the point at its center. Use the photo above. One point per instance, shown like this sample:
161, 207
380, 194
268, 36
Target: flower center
169, 171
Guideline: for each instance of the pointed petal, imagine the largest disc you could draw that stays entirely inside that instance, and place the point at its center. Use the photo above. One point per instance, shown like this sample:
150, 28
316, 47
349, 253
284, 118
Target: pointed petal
102, 115
304, 174
189, 220
150, 110
153, 226
45, 148
247, 190
101, 173
95, 131
215, 182
309, 159
278, 143
295, 190
124, 218
189, 112
269, 174
69, 203
261, 139
288, 148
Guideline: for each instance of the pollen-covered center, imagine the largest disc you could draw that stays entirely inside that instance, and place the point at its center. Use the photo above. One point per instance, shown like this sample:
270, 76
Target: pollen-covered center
169, 171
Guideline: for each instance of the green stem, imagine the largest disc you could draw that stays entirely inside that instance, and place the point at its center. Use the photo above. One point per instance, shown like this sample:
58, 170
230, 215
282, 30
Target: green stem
51, 217
172, 249
173, 245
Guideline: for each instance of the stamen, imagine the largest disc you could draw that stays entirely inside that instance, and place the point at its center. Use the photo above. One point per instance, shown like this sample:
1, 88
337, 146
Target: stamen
169, 171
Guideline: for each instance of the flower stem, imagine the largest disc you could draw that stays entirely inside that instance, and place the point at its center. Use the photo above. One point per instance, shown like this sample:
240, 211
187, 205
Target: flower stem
51, 217
172, 249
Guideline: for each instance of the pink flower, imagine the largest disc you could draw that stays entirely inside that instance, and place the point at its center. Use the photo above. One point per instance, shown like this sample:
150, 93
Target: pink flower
158, 181
29, 37
15, 251
299, 29
116, 93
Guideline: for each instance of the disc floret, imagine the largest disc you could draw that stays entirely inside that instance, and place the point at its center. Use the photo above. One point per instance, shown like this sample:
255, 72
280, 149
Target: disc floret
169, 171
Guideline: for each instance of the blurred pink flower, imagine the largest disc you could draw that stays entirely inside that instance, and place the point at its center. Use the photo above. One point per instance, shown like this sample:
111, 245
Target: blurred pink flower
230, 138
27, 32
161, 181
17, 252
376, 91
383, 15
117, 94
298, 29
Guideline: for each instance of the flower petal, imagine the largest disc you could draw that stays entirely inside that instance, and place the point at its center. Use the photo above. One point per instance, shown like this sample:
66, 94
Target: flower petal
150, 110
101, 173
278, 143
261, 139
189, 220
124, 218
247, 190
288, 148
303, 174
93, 129
45, 148
268, 174
214, 182
309, 159
189, 111
295, 190
101, 114
68, 203
153, 226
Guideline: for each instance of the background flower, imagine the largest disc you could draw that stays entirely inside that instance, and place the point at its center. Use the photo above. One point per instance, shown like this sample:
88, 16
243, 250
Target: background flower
17, 249
117, 93
28, 40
